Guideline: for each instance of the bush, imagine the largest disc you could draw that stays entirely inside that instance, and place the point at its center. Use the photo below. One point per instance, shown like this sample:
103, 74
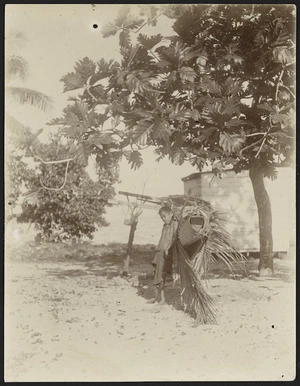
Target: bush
77, 209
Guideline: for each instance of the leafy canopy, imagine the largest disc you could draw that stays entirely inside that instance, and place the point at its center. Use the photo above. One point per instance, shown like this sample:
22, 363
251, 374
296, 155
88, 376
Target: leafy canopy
221, 89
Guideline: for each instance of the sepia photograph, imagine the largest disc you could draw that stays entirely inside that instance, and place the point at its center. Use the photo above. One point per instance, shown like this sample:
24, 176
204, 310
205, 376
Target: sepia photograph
150, 192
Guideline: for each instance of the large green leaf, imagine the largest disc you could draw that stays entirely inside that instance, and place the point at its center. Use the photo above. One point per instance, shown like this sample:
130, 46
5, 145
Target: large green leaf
80, 109
231, 142
210, 86
83, 153
73, 132
221, 111
231, 87
132, 22
104, 70
187, 73
233, 54
72, 81
191, 53
276, 116
137, 82
180, 112
109, 29
162, 130
267, 106
201, 61
85, 68
100, 139
124, 38
235, 122
141, 132
149, 42
178, 157
135, 159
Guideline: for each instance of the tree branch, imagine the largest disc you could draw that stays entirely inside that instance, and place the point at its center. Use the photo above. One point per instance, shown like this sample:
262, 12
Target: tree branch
264, 139
147, 22
50, 162
290, 64
87, 87
261, 145
53, 162
64, 183
277, 85
249, 146
154, 56
254, 134
90, 94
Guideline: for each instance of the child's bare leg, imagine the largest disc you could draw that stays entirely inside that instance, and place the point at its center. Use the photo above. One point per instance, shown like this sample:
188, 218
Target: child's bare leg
162, 292
162, 298
154, 299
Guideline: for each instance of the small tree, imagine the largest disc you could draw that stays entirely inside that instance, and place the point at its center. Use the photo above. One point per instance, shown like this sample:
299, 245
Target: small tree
220, 91
66, 204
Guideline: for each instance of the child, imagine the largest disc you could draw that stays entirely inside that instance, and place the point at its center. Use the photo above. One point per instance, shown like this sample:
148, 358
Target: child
162, 261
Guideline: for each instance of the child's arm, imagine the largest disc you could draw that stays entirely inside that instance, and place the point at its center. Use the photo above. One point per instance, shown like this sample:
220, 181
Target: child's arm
173, 235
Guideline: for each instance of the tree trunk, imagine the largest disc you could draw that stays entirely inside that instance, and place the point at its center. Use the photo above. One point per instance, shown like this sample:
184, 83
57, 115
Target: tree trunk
129, 249
262, 200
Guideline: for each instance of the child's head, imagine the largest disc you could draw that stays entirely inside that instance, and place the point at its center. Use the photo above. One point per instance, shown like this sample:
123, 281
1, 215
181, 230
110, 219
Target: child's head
166, 214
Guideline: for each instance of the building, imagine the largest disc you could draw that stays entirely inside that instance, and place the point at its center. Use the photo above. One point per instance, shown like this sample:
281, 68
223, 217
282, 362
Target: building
233, 193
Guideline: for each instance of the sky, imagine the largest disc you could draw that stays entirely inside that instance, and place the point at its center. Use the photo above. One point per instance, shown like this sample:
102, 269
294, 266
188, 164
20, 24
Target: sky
56, 37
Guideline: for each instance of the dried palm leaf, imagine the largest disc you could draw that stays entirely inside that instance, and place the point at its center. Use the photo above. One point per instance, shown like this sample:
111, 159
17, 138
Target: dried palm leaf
210, 242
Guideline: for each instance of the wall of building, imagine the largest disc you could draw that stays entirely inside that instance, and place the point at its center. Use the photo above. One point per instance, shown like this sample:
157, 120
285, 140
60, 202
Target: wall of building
233, 194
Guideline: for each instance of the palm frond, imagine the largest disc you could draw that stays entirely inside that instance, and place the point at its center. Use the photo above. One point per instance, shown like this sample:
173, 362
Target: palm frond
219, 246
16, 66
195, 300
196, 248
29, 97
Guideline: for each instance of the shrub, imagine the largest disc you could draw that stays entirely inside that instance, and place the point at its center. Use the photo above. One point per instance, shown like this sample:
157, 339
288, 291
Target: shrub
75, 210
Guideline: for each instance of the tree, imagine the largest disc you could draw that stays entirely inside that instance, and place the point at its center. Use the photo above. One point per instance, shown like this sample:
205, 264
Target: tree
17, 136
66, 203
221, 90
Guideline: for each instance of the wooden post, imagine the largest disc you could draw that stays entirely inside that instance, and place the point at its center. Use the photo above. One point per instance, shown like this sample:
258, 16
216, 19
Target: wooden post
129, 248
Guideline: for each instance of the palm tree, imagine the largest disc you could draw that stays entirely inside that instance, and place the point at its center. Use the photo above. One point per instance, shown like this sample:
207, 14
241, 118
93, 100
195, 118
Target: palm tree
16, 134
16, 67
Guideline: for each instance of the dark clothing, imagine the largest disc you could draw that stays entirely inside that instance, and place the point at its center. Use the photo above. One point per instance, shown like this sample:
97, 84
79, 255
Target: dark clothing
162, 264
162, 261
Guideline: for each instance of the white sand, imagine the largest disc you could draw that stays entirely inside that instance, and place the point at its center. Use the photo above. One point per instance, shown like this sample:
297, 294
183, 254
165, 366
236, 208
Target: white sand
86, 327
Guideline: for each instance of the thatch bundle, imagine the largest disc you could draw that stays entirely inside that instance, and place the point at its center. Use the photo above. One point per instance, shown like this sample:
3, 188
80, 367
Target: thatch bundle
201, 238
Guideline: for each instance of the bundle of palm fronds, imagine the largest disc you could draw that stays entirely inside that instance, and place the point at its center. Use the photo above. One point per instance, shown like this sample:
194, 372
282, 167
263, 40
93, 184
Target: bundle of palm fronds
195, 300
196, 246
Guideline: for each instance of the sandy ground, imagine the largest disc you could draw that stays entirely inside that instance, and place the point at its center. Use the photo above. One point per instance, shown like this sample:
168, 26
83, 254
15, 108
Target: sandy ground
77, 320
